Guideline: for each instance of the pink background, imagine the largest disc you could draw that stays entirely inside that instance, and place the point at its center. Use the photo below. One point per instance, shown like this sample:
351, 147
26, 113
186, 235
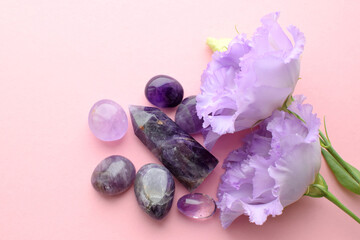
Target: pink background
57, 58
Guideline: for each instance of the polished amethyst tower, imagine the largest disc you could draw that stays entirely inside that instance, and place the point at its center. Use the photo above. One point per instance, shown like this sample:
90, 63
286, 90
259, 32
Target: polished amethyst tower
185, 158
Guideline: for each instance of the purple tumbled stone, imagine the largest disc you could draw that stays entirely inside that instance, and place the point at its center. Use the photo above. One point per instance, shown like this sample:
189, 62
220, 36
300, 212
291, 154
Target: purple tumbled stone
196, 205
113, 175
154, 190
186, 116
108, 120
185, 158
164, 91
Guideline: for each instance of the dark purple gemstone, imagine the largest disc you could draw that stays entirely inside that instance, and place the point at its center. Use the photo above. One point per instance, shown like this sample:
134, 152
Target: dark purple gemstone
186, 116
185, 158
113, 175
164, 91
154, 190
196, 205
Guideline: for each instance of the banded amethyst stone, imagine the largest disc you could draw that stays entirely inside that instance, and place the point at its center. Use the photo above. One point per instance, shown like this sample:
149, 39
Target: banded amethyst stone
196, 205
186, 116
185, 158
154, 190
113, 175
164, 91
108, 120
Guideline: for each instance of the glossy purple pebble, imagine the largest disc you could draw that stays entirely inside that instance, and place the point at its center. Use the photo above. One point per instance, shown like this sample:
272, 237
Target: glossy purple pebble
154, 190
164, 91
196, 205
108, 120
113, 175
186, 116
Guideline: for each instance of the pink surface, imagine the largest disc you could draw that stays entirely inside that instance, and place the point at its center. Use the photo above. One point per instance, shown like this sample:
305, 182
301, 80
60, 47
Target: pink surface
57, 58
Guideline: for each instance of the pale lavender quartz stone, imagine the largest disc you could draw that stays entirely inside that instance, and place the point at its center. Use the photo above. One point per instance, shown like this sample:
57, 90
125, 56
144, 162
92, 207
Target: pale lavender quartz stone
154, 190
113, 175
108, 120
186, 116
196, 205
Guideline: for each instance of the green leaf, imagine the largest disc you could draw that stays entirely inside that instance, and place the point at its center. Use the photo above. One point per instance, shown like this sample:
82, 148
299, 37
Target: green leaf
341, 174
356, 172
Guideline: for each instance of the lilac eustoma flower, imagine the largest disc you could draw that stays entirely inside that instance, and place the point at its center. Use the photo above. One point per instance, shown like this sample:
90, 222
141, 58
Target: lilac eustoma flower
273, 168
250, 80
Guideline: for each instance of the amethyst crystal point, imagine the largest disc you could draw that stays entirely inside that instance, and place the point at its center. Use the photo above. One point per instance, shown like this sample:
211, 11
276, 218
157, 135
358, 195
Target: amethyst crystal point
186, 159
164, 91
196, 205
154, 190
186, 116
113, 175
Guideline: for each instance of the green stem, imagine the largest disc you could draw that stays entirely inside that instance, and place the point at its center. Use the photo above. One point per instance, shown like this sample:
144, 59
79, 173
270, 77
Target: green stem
339, 159
334, 200
328, 195
324, 139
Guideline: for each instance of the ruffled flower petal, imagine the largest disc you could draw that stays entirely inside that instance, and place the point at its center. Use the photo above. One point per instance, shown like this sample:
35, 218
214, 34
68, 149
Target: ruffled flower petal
299, 40
210, 137
273, 168
258, 213
230, 212
270, 37
295, 171
251, 79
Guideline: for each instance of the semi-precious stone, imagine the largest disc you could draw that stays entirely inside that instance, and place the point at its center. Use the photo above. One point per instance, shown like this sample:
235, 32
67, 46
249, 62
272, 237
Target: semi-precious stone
196, 205
186, 116
113, 175
154, 190
108, 120
186, 159
164, 91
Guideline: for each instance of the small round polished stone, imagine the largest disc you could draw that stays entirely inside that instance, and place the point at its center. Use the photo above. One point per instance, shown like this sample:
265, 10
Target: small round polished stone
154, 190
113, 175
196, 205
164, 91
108, 120
186, 116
